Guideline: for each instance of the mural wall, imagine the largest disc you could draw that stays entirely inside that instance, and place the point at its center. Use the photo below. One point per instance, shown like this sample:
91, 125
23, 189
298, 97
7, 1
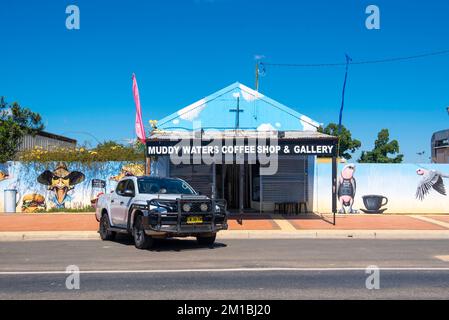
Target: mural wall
61, 185
388, 188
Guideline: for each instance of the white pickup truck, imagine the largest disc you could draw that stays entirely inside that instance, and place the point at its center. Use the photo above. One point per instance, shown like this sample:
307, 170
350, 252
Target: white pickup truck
152, 207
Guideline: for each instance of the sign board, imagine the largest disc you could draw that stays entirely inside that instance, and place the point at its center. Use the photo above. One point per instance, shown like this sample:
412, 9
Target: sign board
242, 147
97, 183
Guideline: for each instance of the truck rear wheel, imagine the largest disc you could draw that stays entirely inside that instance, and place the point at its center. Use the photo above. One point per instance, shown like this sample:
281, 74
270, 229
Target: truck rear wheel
105, 233
141, 239
206, 241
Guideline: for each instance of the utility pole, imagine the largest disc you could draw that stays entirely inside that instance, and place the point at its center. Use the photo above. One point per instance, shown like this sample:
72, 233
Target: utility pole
257, 76
348, 61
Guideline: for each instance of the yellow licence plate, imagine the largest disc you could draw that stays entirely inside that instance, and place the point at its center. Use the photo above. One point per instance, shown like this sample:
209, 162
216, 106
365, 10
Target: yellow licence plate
194, 220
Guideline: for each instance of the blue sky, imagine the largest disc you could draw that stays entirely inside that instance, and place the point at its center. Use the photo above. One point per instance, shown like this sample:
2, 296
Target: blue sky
181, 51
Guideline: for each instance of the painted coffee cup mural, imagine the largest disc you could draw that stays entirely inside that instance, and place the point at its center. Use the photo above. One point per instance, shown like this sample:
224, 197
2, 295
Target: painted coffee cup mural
373, 203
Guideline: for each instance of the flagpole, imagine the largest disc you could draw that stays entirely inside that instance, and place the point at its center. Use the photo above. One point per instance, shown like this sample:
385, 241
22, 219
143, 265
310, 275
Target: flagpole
139, 127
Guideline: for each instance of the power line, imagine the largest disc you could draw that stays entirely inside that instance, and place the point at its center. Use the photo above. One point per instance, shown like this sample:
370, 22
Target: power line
337, 64
82, 132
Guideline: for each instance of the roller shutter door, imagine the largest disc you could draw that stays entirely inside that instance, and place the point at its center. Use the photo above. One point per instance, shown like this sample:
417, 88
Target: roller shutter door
289, 184
198, 176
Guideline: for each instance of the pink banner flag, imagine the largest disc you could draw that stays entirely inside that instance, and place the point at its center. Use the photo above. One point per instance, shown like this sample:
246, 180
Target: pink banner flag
140, 129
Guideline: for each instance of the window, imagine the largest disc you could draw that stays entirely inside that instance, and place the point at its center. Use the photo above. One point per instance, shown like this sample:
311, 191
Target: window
441, 143
164, 186
121, 187
130, 186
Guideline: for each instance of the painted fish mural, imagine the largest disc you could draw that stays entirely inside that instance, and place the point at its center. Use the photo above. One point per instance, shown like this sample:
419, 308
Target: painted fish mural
60, 181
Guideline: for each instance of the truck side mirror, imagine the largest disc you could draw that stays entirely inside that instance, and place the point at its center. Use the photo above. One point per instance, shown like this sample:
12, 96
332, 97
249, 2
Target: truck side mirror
128, 193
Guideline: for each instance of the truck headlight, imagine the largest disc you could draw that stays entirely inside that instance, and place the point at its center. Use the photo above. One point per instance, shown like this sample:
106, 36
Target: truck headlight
204, 207
159, 210
186, 207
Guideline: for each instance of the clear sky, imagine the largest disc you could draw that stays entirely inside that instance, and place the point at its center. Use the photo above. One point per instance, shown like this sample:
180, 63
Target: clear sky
181, 51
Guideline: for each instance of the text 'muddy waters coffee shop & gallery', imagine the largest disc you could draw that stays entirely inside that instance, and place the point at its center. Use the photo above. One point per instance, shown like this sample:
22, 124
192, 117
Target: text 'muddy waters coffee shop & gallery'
242, 146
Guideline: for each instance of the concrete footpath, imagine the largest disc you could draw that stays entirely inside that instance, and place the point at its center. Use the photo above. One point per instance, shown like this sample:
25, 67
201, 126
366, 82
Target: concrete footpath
83, 226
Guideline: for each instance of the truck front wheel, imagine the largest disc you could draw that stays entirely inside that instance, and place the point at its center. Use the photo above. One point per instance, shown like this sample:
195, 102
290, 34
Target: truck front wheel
206, 241
141, 239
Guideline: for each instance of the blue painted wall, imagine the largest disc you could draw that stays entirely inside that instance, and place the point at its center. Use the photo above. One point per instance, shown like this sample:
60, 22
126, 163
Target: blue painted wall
398, 182
23, 178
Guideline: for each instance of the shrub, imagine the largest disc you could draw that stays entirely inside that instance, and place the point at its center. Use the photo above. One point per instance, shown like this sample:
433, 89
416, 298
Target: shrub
104, 152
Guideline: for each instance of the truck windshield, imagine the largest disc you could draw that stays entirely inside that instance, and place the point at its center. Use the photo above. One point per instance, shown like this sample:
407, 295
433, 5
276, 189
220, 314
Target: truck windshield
164, 186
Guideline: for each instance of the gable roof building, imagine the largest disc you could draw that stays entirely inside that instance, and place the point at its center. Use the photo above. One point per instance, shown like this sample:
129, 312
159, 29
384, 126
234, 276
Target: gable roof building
238, 114
255, 112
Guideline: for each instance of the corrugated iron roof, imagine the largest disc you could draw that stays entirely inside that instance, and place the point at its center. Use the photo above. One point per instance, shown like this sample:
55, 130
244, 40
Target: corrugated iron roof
231, 134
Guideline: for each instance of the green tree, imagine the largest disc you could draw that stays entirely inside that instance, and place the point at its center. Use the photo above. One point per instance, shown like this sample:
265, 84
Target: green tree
382, 148
15, 123
347, 144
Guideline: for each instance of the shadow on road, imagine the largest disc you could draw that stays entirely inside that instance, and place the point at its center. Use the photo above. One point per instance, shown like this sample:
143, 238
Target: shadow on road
162, 245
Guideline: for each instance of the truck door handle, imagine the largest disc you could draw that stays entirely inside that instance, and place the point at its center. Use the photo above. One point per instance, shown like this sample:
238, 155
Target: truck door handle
122, 203
112, 201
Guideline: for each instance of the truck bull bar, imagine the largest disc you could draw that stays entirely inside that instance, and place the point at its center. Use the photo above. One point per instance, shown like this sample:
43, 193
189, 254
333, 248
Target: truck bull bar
174, 218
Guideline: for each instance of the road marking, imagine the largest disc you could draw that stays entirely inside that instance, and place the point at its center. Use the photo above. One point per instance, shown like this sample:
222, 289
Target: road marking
7, 273
430, 220
443, 258
283, 224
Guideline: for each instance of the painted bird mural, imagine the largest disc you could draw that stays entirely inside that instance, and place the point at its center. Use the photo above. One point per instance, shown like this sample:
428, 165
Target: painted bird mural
347, 188
431, 179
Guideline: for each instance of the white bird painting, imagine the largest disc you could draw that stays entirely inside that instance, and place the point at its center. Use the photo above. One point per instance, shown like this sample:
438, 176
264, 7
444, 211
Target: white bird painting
431, 179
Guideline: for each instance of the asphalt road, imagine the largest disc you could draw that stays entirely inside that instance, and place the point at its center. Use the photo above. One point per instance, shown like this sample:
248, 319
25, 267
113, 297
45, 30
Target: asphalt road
232, 269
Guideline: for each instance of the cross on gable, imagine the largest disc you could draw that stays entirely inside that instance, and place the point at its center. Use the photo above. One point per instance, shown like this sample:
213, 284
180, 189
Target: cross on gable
237, 113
